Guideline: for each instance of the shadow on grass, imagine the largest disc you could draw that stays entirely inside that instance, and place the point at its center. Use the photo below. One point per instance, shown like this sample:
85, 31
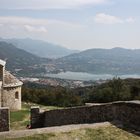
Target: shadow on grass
127, 127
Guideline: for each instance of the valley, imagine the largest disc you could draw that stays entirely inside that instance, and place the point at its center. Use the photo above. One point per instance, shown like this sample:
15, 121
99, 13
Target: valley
93, 64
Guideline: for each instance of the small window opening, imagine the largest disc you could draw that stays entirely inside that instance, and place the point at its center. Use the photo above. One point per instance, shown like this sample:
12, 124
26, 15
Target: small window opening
17, 95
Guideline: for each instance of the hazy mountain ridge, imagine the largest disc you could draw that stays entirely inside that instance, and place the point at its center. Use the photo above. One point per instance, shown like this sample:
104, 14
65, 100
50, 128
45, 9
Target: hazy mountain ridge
40, 48
20, 60
98, 61
111, 61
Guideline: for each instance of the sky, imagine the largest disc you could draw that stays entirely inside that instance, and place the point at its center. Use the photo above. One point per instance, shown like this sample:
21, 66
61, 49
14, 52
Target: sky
74, 24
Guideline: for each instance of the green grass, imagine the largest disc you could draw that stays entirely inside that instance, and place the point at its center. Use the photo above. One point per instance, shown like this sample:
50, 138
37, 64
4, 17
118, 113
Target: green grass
19, 119
101, 133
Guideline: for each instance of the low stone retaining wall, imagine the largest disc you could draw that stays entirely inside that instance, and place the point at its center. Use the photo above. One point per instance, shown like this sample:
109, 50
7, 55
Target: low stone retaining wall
4, 119
126, 112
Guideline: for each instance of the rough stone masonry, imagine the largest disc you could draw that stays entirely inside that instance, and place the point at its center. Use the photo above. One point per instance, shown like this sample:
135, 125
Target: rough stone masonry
126, 112
4, 119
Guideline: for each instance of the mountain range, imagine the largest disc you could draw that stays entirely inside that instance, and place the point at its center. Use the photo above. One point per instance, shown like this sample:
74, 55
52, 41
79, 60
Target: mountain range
97, 61
40, 48
20, 61
102, 61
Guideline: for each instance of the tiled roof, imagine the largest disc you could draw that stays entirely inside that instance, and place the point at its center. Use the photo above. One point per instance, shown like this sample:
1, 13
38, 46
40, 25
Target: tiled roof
10, 80
2, 62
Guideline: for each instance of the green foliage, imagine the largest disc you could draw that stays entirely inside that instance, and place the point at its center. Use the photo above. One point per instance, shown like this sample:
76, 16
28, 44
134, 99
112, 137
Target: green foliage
54, 96
114, 90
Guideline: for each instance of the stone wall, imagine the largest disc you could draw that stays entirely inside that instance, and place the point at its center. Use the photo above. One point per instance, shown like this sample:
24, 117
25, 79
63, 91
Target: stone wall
4, 119
37, 118
1, 82
1, 72
129, 114
0, 91
9, 98
126, 112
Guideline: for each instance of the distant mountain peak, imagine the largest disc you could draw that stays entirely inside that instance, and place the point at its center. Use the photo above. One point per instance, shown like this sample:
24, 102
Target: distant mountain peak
40, 48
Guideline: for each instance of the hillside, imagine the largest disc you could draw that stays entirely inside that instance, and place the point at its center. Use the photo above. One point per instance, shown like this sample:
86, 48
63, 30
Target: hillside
40, 48
20, 61
101, 61
98, 61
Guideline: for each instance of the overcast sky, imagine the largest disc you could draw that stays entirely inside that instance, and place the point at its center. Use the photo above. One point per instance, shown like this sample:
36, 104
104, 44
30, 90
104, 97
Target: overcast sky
75, 24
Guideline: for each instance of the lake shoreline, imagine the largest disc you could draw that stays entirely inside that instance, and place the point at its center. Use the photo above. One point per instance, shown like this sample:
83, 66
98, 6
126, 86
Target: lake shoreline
83, 76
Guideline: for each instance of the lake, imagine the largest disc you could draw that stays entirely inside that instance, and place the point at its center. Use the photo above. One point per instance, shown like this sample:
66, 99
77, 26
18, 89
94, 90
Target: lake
87, 76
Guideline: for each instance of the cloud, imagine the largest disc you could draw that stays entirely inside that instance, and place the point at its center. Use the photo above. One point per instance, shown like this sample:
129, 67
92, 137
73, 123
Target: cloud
47, 4
14, 20
107, 19
24, 24
35, 29
57, 31
103, 18
130, 20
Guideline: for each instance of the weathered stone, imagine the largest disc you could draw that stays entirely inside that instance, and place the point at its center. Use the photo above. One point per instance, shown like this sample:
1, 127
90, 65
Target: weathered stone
126, 112
37, 118
10, 89
9, 99
4, 119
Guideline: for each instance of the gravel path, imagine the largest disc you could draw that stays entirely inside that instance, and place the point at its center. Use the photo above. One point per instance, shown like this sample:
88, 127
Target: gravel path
57, 129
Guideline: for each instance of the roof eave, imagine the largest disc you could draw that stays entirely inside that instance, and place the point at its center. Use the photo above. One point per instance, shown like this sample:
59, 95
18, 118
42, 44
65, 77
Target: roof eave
2, 63
13, 85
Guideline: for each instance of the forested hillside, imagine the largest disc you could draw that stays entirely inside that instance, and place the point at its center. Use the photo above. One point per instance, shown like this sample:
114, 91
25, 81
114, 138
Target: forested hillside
20, 61
113, 90
103, 61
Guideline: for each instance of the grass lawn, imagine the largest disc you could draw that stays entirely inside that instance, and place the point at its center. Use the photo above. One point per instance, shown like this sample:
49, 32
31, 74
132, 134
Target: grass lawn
19, 119
101, 133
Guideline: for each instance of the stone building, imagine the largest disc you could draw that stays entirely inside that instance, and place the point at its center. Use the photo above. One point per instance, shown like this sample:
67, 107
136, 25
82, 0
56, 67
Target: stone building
10, 89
